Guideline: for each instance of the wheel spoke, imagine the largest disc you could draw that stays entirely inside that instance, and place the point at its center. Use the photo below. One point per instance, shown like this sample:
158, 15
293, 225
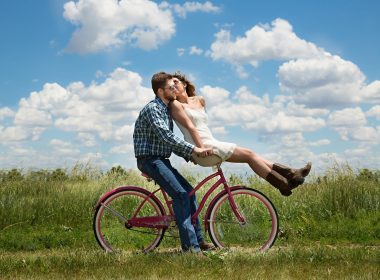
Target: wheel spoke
261, 221
114, 212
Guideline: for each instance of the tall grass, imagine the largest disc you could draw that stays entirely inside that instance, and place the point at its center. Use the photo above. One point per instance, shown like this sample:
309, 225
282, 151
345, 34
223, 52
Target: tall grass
53, 208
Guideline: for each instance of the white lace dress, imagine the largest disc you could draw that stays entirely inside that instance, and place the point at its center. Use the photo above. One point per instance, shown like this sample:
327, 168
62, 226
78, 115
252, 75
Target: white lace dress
221, 150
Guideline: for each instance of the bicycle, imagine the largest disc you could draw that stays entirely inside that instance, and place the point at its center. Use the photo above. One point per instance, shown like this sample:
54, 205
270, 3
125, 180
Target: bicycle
131, 217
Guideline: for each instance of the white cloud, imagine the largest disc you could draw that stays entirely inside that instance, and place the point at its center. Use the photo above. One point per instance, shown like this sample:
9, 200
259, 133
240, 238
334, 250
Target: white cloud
322, 142
263, 42
364, 156
13, 133
191, 7
103, 113
92, 159
242, 73
371, 92
349, 117
124, 133
221, 130
122, 149
107, 109
52, 96
32, 117
311, 76
121, 90
64, 148
99, 74
215, 95
195, 50
257, 113
366, 133
321, 82
101, 107
281, 123
244, 96
180, 51
301, 110
351, 125
87, 139
102, 24
292, 150
356, 152
6, 113
374, 112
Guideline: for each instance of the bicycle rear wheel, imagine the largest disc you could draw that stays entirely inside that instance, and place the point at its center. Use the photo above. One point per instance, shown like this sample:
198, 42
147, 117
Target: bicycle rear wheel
261, 221
115, 210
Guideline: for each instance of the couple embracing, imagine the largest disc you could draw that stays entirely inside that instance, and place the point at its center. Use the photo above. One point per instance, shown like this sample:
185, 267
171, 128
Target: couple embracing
154, 141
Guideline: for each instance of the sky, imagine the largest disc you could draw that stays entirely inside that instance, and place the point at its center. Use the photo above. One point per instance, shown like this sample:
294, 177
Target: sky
294, 81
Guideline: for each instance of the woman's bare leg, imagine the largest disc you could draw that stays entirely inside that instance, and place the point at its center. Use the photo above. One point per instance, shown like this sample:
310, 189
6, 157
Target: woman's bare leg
267, 162
259, 165
263, 168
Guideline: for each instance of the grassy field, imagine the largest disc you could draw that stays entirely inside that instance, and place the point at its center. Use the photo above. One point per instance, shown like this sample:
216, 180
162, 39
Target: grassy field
329, 229
314, 262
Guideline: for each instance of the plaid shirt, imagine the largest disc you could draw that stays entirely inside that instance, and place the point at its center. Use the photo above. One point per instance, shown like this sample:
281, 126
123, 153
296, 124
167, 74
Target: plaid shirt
153, 134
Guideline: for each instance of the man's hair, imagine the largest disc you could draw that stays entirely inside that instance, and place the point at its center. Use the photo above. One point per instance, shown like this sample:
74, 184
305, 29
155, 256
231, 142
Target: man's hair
159, 81
190, 88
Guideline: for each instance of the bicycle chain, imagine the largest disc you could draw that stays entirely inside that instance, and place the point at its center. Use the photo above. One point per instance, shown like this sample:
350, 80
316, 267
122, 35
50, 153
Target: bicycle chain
171, 235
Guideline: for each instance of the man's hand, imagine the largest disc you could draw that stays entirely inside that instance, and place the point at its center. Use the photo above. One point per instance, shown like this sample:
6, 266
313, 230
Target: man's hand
202, 152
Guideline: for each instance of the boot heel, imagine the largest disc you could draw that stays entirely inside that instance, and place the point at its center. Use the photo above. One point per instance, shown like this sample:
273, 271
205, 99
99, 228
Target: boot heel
279, 182
296, 181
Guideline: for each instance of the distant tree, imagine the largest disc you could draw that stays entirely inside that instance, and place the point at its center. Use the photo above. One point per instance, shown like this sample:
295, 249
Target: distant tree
117, 171
38, 176
14, 175
366, 174
58, 175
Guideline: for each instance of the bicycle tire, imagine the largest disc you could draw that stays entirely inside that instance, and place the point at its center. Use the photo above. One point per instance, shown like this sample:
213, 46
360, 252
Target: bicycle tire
112, 234
261, 228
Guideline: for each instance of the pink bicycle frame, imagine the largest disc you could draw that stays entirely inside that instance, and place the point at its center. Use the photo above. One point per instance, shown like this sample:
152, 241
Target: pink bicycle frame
164, 221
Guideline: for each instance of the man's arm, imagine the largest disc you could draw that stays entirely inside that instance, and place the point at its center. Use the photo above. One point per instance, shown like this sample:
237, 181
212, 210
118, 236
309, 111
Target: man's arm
201, 152
156, 118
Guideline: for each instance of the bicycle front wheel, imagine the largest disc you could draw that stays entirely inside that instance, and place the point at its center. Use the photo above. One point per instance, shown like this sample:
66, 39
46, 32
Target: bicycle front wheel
115, 210
260, 228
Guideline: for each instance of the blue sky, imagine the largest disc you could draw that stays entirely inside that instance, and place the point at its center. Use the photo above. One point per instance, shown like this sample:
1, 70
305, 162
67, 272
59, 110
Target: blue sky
292, 80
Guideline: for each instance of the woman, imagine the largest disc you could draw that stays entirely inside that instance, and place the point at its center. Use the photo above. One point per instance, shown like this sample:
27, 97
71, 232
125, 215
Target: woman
189, 113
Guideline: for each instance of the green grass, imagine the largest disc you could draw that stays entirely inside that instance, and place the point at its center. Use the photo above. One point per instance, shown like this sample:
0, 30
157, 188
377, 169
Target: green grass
292, 262
329, 229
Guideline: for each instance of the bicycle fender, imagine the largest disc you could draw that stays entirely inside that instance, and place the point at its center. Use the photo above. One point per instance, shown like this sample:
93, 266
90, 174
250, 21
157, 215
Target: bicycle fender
133, 188
220, 194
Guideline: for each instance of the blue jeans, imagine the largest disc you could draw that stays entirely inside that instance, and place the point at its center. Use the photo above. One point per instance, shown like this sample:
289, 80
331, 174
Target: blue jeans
177, 187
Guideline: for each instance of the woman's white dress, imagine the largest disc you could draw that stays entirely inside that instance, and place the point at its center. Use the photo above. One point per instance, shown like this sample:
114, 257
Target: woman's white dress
221, 150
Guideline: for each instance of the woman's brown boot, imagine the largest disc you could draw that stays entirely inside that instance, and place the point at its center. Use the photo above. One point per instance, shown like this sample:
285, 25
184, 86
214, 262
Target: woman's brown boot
295, 177
279, 182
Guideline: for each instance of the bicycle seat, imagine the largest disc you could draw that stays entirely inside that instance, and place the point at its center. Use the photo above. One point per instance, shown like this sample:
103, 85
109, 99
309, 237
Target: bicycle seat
209, 161
146, 176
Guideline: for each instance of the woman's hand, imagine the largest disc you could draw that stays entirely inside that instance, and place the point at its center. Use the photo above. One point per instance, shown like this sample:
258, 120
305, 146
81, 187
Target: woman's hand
202, 152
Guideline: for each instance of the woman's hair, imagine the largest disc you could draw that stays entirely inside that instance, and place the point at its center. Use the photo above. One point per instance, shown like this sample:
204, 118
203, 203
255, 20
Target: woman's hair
159, 81
190, 88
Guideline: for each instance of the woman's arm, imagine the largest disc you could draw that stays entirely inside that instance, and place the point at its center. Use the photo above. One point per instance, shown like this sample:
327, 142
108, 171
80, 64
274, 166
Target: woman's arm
202, 101
178, 114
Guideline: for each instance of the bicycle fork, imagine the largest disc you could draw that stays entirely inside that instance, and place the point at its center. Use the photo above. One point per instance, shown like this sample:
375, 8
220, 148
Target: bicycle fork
234, 207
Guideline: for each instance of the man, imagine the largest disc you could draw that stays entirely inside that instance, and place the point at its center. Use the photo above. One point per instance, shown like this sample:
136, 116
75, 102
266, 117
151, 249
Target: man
154, 141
